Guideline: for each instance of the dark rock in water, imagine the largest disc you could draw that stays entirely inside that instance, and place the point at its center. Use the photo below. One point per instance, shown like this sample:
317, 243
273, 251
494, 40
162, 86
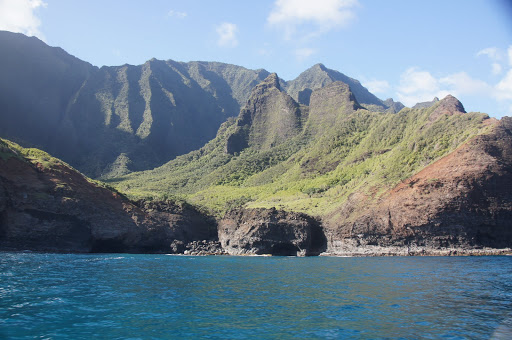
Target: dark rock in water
270, 232
204, 247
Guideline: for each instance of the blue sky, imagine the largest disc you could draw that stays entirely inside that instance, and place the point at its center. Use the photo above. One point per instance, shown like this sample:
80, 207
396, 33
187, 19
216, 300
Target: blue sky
408, 50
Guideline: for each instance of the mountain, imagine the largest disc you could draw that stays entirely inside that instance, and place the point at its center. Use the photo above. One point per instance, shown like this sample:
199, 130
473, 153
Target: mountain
424, 105
46, 205
333, 161
270, 118
316, 165
319, 76
112, 120
36, 87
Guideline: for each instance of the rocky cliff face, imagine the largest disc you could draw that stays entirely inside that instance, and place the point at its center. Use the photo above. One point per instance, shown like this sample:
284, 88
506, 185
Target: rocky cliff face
463, 201
270, 232
46, 205
329, 105
269, 118
461, 204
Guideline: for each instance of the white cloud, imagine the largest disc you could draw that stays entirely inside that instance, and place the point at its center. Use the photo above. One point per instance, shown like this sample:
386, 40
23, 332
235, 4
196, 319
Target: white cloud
491, 52
227, 34
504, 87
304, 53
19, 16
418, 86
496, 68
324, 14
264, 52
176, 14
377, 86
498, 58
462, 84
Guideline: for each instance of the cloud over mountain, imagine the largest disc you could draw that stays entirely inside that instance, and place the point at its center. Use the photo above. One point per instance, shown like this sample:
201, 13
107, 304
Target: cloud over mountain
324, 15
19, 16
227, 34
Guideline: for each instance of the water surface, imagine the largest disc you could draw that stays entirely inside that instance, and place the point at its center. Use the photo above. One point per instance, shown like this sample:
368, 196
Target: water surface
57, 296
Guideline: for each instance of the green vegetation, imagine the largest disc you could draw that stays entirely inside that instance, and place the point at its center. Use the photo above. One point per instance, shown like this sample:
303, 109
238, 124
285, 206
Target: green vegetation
315, 171
10, 149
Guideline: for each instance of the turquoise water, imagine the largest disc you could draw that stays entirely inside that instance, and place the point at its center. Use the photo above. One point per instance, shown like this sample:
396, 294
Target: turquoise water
49, 296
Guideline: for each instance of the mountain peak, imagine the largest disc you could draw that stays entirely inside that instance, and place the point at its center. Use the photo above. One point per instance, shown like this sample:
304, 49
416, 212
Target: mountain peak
269, 118
320, 66
329, 104
319, 76
449, 105
272, 80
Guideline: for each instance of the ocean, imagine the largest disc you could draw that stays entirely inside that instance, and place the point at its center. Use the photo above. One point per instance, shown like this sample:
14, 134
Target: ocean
124, 296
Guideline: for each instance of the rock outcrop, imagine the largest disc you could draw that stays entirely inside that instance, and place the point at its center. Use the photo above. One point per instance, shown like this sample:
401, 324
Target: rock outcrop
449, 105
48, 206
270, 232
329, 105
425, 105
269, 118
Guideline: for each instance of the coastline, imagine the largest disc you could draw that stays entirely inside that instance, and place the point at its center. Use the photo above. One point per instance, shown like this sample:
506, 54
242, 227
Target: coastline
364, 251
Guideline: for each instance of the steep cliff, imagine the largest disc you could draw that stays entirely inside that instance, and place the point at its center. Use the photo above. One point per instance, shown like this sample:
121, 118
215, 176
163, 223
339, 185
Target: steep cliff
269, 118
342, 168
271, 232
463, 201
47, 205
112, 120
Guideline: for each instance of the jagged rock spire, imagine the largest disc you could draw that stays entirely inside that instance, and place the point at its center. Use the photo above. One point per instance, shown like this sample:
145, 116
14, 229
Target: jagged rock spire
269, 118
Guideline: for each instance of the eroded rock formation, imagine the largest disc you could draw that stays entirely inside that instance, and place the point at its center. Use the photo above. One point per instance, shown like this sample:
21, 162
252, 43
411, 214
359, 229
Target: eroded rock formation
270, 231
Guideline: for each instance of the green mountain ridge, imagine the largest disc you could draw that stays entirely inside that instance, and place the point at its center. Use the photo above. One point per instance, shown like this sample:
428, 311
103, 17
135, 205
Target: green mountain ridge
309, 159
113, 120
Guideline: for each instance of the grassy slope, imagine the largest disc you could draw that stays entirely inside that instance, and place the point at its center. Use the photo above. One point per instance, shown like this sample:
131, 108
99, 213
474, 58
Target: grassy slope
42, 160
364, 152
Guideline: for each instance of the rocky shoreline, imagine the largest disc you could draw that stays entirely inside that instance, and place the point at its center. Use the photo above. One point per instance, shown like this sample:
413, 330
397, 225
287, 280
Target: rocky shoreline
373, 251
213, 248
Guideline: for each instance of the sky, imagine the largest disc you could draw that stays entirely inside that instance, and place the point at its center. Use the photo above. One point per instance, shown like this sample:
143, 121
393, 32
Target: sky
411, 51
